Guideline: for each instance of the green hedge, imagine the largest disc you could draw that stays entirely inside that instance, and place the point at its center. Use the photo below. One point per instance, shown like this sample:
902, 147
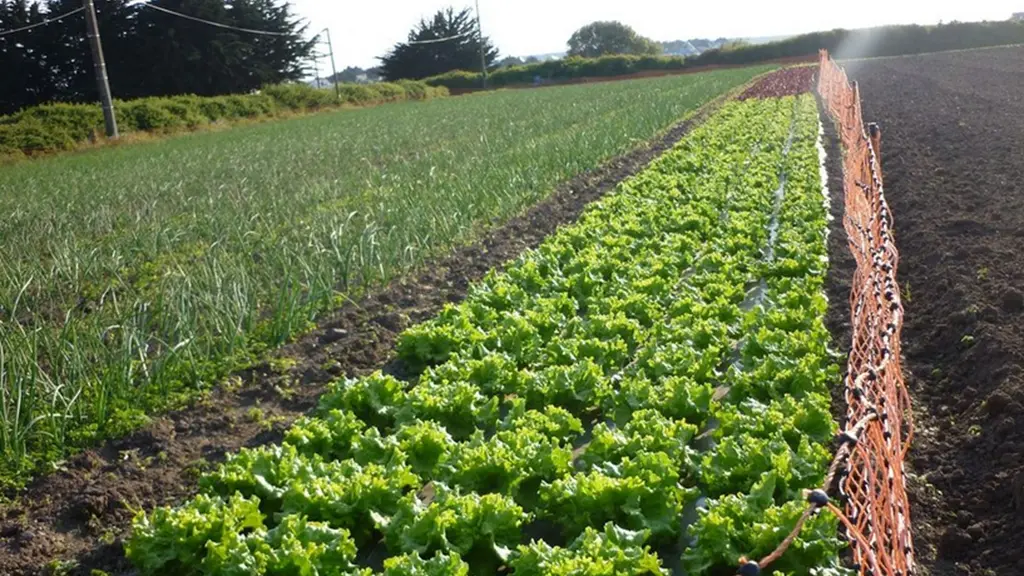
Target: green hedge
868, 42
560, 70
56, 127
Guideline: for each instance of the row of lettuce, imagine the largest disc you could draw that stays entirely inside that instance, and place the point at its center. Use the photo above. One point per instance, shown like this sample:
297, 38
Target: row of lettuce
57, 127
647, 391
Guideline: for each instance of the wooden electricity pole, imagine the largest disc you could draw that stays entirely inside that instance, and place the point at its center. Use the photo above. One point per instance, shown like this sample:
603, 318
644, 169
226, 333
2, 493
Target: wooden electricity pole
100, 68
480, 36
330, 48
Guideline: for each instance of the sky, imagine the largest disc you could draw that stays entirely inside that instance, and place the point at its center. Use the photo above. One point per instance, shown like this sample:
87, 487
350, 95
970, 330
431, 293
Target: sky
365, 29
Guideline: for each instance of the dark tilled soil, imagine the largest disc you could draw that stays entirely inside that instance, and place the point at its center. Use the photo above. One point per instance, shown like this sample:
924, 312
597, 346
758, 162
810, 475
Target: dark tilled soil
841, 262
80, 514
953, 160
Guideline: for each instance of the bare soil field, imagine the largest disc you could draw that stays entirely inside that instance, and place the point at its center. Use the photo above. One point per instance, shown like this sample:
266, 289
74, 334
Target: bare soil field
953, 159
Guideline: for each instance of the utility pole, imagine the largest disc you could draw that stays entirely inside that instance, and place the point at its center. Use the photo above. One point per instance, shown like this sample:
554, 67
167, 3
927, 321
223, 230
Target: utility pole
330, 48
100, 67
316, 69
480, 36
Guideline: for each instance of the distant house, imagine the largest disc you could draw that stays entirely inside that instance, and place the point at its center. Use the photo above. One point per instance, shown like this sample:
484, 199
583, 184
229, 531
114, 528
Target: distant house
1017, 17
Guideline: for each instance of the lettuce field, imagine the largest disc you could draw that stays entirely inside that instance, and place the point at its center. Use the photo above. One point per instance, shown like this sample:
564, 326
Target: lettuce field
647, 392
143, 275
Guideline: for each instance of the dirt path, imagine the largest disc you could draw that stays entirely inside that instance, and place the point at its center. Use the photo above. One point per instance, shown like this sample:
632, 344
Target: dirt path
73, 521
953, 158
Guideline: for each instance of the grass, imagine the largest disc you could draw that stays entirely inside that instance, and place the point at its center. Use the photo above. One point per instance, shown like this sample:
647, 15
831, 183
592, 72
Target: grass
135, 277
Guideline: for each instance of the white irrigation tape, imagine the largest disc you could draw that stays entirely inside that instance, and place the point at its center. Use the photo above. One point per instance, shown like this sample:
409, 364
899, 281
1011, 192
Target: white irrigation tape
43, 23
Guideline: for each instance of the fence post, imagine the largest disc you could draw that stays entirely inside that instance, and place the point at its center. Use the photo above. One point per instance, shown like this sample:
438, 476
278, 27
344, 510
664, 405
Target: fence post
876, 142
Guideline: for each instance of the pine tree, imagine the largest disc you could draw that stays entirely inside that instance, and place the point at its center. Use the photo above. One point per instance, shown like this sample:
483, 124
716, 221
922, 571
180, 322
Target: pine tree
462, 52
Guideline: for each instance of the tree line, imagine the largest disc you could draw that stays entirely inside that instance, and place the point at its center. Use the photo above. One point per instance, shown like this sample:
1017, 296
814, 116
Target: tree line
148, 53
425, 53
152, 53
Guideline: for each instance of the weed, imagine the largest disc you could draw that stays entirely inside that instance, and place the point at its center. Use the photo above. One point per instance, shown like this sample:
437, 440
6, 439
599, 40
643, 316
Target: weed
286, 392
197, 468
61, 567
282, 365
233, 384
255, 415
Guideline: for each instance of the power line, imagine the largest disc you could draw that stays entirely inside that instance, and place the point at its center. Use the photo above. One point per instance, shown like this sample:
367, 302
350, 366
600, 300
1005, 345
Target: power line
43, 23
217, 24
437, 40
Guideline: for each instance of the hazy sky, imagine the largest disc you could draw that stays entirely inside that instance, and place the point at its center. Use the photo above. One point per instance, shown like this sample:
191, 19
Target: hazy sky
364, 29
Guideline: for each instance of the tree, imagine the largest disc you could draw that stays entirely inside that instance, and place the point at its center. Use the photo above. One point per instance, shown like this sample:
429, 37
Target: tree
353, 73
27, 77
148, 53
600, 38
195, 58
735, 45
460, 52
510, 61
70, 58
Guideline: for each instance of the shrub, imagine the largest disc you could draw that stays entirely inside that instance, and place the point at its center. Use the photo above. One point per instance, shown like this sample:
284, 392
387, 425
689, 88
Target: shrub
32, 136
299, 97
437, 91
414, 90
389, 92
149, 114
250, 105
76, 121
457, 79
55, 127
185, 109
215, 108
358, 94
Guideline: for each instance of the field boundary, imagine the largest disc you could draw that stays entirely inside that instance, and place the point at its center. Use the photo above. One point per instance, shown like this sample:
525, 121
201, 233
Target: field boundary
872, 478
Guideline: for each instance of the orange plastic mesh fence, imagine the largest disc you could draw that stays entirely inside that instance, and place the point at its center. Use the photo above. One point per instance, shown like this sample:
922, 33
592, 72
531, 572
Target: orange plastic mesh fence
868, 472
872, 479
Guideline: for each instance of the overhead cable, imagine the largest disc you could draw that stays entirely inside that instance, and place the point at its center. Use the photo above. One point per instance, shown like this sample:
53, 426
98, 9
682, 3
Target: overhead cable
437, 40
43, 23
216, 24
